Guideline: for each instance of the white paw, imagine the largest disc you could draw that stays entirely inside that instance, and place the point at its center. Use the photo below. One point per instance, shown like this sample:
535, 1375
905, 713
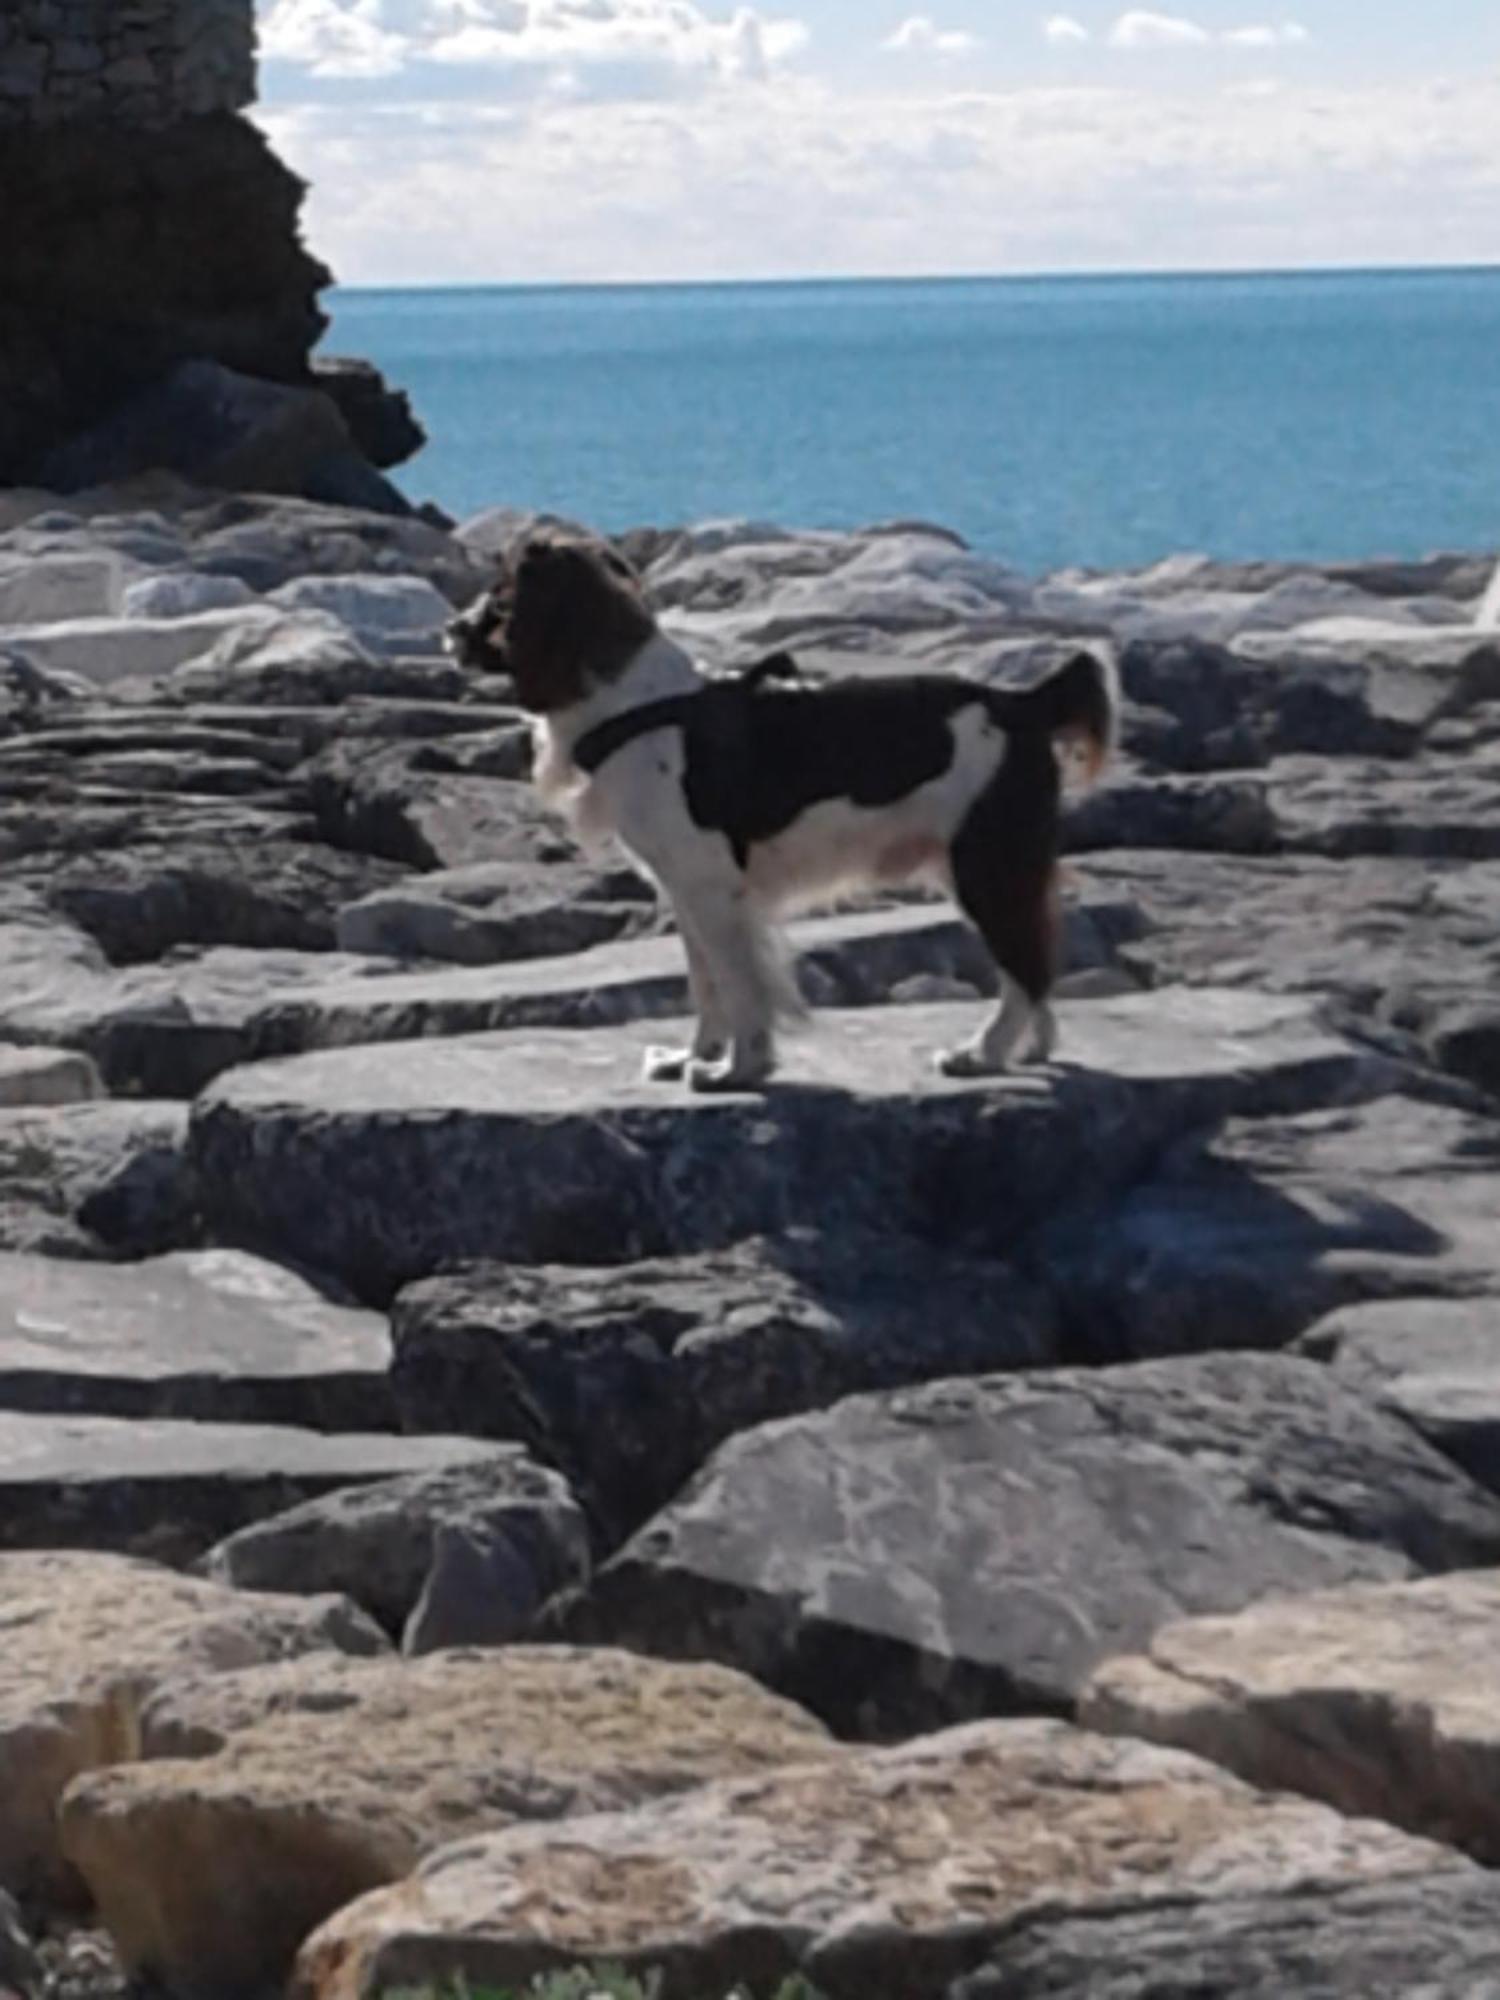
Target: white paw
724, 1073
662, 1065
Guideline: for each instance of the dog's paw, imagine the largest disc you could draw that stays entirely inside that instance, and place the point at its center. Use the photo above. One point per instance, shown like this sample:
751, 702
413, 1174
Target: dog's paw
662, 1065
724, 1073
967, 1061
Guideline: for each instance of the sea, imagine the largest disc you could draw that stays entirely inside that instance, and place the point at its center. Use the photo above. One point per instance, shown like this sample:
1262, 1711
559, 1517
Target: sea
1101, 421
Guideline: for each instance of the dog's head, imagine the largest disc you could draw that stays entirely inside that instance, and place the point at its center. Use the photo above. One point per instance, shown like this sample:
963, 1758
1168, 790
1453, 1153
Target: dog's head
563, 616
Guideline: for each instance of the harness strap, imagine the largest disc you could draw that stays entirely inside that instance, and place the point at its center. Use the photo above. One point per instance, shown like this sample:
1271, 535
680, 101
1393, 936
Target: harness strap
600, 743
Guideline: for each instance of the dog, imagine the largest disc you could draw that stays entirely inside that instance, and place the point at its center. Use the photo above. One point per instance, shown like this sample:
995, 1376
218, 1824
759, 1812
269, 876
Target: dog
748, 798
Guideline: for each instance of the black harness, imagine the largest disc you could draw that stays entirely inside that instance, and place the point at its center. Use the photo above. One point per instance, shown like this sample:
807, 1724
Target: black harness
712, 707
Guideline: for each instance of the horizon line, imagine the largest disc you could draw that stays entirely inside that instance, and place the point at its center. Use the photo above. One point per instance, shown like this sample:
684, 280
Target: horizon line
1101, 274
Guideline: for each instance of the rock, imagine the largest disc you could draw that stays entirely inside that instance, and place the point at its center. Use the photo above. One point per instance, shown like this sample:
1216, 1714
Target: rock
389, 799
143, 899
270, 1803
1379, 1700
877, 1876
213, 1334
307, 656
495, 911
267, 542
379, 418
47, 589
544, 1146
628, 1379
96, 1179
856, 960
165, 1030
215, 426
1226, 815
170, 1489
88, 1640
1246, 1236
380, 1545
1421, 1934
1487, 618
921, 1557
46, 1076
383, 612
1435, 1362
183, 594
20, 1968
1437, 807
108, 651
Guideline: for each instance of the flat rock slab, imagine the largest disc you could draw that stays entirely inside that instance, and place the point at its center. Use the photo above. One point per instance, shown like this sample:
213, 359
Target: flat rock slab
1415, 1937
271, 1803
853, 959
213, 1334
475, 1550
170, 1489
1435, 1362
87, 1639
545, 1146
1377, 1699
46, 1076
880, 1875
971, 1548
627, 1379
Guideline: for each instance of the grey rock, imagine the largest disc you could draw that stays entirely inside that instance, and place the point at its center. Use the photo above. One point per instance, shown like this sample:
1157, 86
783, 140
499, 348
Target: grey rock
1424, 1937
978, 1547
545, 1145
1247, 1236
90, 1180
212, 1334
461, 1556
169, 1489
1438, 807
408, 803
494, 911
182, 594
304, 656
628, 1379
46, 1076
381, 611
1435, 1362
20, 1967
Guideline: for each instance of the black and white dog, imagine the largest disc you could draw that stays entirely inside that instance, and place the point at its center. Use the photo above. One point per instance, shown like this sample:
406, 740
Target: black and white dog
746, 801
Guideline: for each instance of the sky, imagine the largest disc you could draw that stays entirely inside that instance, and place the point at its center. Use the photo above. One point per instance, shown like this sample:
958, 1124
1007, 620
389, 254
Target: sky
537, 141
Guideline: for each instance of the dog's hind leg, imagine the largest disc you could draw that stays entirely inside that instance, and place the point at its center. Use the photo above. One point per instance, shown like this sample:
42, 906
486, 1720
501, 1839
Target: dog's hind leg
1014, 910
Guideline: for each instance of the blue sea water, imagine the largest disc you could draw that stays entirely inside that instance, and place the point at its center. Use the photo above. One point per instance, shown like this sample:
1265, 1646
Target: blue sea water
1105, 421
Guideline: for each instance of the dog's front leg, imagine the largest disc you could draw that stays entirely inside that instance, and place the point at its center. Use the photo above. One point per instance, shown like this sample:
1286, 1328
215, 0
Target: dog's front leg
725, 928
711, 1034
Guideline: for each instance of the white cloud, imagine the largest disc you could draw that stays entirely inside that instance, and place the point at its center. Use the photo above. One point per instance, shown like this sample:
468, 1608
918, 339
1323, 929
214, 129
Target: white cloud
628, 43
1062, 29
1140, 30
803, 180
922, 34
1262, 35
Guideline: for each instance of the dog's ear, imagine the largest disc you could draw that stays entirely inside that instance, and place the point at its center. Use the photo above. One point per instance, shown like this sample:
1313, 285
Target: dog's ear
577, 617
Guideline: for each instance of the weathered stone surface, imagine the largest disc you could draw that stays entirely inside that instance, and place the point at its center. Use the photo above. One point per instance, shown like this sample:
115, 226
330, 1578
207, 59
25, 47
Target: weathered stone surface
170, 1489
43, 591
308, 656
1435, 1362
213, 1334
382, 1544
879, 1876
978, 1547
381, 611
1432, 1935
494, 911
90, 1179
545, 1146
88, 1639
1247, 1236
271, 1802
857, 960
628, 1379
46, 1076
1377, 1699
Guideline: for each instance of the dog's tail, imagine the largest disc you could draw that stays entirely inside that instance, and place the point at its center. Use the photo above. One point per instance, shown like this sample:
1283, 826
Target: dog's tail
1077, 705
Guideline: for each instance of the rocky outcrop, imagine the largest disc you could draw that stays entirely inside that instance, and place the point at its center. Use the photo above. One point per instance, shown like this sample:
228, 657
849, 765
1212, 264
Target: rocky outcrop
160, 309
273, 1800
977, 1547
1376, 1699
88, 1639
877, 1876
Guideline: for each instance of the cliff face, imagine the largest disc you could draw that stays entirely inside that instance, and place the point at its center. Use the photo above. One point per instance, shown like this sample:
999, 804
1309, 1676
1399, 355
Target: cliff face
145, 222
